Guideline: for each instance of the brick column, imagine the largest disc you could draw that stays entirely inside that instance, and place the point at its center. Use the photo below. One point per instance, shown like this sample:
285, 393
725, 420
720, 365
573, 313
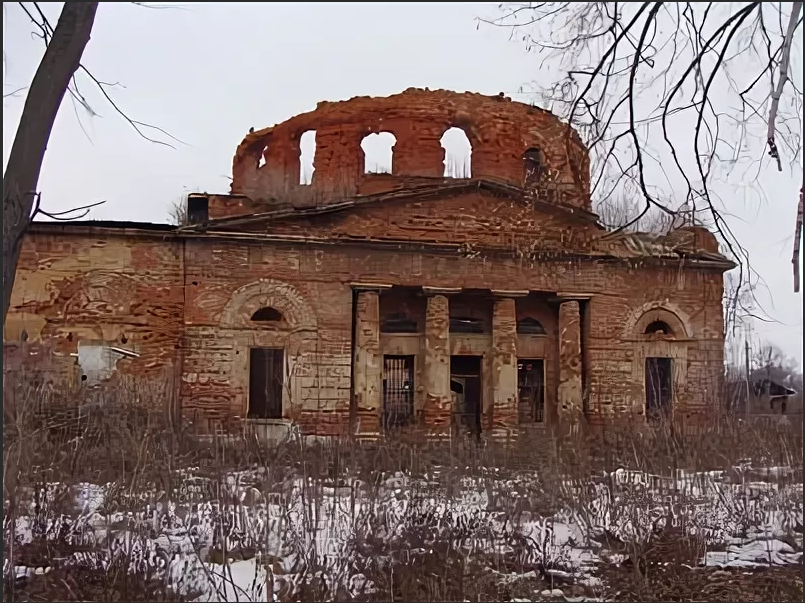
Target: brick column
418, 156
569, 402
504, 367
367, 364
438, 400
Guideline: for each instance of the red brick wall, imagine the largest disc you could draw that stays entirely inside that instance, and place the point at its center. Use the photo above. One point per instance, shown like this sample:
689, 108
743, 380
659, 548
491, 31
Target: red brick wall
474, 219
76, 284
499, 130
216, 379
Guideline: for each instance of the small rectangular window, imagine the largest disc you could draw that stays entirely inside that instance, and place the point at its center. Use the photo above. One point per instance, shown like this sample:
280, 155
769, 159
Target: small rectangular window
198, 208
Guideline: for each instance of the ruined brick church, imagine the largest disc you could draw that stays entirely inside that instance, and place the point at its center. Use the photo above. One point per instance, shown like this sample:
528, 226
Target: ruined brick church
361, 300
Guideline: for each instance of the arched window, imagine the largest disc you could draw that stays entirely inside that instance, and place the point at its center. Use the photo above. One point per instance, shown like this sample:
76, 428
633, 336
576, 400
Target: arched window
267, 315
307, 152
457, 154
378, 153
654, 319
398, 322
533, 166
466, 324
658, 327
530, 326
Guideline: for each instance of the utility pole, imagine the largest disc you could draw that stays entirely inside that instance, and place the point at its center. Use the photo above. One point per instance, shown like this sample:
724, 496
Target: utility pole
748, 388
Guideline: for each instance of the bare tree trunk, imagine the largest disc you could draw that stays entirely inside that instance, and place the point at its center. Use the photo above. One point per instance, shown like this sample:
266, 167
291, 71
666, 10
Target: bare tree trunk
61, 60
797, 238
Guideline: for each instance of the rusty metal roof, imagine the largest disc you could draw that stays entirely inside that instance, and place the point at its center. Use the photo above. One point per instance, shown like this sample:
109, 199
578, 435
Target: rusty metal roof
670, 246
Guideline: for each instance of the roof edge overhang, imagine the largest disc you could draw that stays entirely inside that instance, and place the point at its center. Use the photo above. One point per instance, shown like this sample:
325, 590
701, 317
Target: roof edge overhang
432, 190
166, 232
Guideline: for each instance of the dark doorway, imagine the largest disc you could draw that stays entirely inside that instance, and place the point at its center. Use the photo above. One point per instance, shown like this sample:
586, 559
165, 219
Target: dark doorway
465, 385
266, 378
531, 389
398, 391
659, 387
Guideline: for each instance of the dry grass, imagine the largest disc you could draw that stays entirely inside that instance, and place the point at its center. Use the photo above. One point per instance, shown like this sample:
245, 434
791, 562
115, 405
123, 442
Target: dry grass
54, 442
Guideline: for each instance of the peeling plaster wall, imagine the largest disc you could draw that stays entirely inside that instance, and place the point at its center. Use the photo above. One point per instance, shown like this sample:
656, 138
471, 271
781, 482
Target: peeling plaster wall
97, 360
76, 288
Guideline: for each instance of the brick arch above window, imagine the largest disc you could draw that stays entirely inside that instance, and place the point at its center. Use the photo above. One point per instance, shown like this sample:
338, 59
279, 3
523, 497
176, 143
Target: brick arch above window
530, 326
649, 319
268, 293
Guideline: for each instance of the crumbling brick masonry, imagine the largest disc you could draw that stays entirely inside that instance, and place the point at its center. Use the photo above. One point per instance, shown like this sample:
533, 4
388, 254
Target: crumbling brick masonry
364, 302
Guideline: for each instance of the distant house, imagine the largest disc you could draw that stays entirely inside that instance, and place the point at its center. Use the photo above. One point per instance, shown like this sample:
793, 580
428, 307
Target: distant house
775, 398
769, 396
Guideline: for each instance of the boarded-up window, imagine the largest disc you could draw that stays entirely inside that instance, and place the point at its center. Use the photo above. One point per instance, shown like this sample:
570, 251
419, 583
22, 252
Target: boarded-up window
398, 391
531, 390
659, 387
266, 378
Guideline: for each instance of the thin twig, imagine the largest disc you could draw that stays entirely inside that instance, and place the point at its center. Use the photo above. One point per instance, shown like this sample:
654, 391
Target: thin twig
656, 63
46, 30
781, 81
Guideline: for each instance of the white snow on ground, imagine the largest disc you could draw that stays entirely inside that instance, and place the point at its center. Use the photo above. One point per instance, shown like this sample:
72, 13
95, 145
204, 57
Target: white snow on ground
749, 523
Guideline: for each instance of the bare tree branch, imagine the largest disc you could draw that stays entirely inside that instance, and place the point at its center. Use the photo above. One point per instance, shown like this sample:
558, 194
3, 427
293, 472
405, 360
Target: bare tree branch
14, 92
670, 97
41, 21
55, 77
50, 82
781, 81
178, 211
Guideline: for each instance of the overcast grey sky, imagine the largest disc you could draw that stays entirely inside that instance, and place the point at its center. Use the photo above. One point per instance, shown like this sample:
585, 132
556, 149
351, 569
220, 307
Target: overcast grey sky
208, 72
